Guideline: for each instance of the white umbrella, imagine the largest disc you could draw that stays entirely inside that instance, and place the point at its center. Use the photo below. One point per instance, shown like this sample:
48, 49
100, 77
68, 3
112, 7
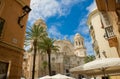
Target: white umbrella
60, 76
99, 67
46, 77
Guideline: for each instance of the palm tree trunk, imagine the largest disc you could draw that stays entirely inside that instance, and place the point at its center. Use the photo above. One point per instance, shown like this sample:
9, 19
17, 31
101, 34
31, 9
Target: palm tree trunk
49, 62
34, 58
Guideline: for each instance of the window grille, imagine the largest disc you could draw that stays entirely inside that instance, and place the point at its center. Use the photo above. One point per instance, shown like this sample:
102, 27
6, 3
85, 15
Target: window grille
109, 32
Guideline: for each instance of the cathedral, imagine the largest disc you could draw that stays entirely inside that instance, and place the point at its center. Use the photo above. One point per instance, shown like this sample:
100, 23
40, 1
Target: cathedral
69, 55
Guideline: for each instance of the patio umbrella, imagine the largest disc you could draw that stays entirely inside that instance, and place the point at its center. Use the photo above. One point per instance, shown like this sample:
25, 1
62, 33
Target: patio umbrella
99, 67
46, 77
60, 76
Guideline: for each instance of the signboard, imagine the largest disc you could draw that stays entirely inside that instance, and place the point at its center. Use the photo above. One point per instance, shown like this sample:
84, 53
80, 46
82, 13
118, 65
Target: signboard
113, 42
3, 70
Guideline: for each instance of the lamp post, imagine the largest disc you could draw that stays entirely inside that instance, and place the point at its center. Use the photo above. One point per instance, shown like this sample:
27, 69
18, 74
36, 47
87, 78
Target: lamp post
26, 9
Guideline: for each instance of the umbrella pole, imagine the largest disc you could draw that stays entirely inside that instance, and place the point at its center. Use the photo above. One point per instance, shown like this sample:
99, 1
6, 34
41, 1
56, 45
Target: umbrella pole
103, 70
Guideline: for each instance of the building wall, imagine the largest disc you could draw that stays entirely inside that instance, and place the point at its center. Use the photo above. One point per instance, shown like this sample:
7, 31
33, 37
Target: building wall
114, 21
94, 20
12, 37
60, 61
112, 8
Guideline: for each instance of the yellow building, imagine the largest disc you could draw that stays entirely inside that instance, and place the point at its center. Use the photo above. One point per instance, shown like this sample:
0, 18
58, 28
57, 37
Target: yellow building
12, 33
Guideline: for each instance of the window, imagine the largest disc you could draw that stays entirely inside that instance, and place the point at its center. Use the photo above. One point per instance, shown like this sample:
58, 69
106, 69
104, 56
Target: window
117, 1
118, 15
91, 27
53, 72
2, 21
67, 71
79, 43
109, 32
76, 43
3, 70
106, 18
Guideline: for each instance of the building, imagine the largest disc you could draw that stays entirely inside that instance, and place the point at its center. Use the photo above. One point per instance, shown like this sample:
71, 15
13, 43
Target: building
79, 48
12, 33
69, 56
100, 44
104, 29
26, 65
110, 13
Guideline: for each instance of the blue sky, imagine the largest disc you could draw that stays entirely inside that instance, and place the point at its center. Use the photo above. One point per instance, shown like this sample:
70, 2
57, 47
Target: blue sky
64, 18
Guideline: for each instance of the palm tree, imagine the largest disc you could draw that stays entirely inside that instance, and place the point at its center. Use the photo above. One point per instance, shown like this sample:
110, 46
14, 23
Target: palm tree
46, 46
33, 36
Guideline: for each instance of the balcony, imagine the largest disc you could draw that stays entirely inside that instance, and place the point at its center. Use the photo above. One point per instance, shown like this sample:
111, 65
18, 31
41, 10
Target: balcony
110, 36
109, 32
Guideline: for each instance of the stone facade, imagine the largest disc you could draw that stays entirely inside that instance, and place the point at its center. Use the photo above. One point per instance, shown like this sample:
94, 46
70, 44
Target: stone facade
61, 61
11, 38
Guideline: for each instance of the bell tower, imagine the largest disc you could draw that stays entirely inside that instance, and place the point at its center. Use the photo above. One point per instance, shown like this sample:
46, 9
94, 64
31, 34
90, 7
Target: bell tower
79, 47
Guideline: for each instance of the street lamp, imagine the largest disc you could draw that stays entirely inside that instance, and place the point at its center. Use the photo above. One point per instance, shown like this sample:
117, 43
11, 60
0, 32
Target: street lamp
26, 9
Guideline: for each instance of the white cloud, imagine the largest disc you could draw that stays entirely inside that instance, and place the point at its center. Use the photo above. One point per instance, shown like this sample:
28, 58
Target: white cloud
92, 7
88, 45
53, 31
82, 27
43, 9
47, 8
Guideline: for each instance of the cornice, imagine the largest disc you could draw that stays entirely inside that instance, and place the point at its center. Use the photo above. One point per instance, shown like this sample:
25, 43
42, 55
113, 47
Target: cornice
10, 46
90, 16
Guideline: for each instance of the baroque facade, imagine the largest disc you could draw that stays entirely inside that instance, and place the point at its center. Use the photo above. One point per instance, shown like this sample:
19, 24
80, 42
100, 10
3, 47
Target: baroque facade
12, 38
69, 56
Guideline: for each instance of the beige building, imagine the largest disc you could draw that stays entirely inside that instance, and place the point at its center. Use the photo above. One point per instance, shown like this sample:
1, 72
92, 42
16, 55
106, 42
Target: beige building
104, 29
100, 44
69, 56
110, 13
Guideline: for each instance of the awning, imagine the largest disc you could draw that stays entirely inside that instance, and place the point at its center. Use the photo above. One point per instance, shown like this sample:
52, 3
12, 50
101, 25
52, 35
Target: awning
99, 67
